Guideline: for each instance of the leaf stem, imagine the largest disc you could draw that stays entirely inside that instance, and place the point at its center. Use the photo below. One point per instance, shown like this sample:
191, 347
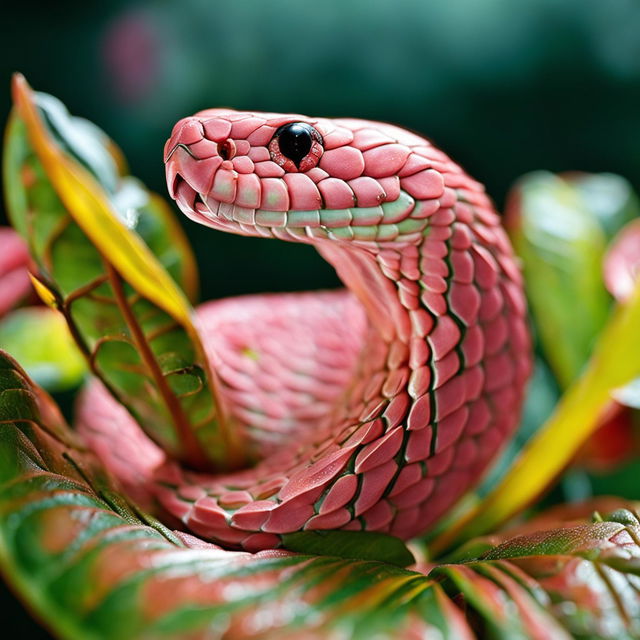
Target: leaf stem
192, 452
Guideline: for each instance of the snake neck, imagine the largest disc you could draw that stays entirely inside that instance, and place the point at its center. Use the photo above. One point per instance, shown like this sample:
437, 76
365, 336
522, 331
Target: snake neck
446, 315
414, 343
418, 293
376, 281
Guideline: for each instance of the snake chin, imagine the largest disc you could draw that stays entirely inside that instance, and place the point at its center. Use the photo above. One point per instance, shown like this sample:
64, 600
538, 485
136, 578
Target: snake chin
226, 217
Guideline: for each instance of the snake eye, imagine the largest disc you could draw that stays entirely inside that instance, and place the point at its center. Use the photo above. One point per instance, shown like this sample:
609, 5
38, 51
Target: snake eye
296, 146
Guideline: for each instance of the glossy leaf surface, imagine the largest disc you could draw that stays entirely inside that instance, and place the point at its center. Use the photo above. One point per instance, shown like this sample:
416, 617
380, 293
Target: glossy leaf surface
92, 568
356, 545
561, 243
90, 565
94, 245
609, 197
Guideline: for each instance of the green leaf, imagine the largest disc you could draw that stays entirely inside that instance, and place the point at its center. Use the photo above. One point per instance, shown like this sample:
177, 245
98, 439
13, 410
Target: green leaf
145, 213
129, 318
609, 197
39, 338
90, 567
90, 571
561, 243
356, 545
575, 582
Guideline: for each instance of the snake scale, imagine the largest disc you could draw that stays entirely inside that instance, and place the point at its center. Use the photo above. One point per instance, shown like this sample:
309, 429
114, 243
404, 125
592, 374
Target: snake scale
373, 408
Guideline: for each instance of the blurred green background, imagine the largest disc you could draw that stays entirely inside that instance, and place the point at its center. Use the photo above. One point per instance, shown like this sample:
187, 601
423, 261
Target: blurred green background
504, 87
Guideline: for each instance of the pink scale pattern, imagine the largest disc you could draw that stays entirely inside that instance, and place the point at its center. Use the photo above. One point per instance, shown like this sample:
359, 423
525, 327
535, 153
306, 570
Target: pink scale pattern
374, 409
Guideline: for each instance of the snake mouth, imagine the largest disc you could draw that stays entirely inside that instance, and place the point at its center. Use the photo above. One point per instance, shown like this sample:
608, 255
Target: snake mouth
223, 216
207, 209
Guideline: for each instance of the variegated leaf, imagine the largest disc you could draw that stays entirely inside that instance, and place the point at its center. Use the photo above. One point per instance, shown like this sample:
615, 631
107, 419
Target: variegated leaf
92, 235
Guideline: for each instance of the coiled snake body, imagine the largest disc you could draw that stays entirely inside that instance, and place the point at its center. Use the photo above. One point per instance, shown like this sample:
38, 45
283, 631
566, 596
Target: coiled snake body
368, 409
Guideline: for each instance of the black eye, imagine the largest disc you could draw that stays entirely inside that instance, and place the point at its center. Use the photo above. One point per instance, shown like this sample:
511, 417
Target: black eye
295, 140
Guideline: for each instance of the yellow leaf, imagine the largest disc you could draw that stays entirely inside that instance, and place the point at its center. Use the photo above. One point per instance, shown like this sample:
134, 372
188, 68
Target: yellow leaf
90, 208
127, 257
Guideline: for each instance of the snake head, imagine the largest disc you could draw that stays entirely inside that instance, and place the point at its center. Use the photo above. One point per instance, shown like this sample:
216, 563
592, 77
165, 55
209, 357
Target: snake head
308, 179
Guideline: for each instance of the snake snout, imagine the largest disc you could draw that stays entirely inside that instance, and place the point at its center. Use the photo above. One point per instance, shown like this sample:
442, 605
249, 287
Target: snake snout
200, 166
185, 133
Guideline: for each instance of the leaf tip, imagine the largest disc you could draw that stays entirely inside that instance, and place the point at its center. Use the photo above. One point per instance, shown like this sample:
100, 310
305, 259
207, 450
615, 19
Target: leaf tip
20, 88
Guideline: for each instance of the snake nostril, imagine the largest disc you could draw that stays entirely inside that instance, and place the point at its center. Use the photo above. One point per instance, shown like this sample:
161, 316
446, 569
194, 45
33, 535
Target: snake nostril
226, 149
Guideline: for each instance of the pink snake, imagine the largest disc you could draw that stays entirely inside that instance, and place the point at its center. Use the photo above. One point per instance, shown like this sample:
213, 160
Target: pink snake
369, 409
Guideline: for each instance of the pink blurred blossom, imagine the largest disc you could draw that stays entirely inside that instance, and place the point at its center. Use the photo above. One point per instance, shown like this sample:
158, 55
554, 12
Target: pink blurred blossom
622, 262
130, 50
14, 278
